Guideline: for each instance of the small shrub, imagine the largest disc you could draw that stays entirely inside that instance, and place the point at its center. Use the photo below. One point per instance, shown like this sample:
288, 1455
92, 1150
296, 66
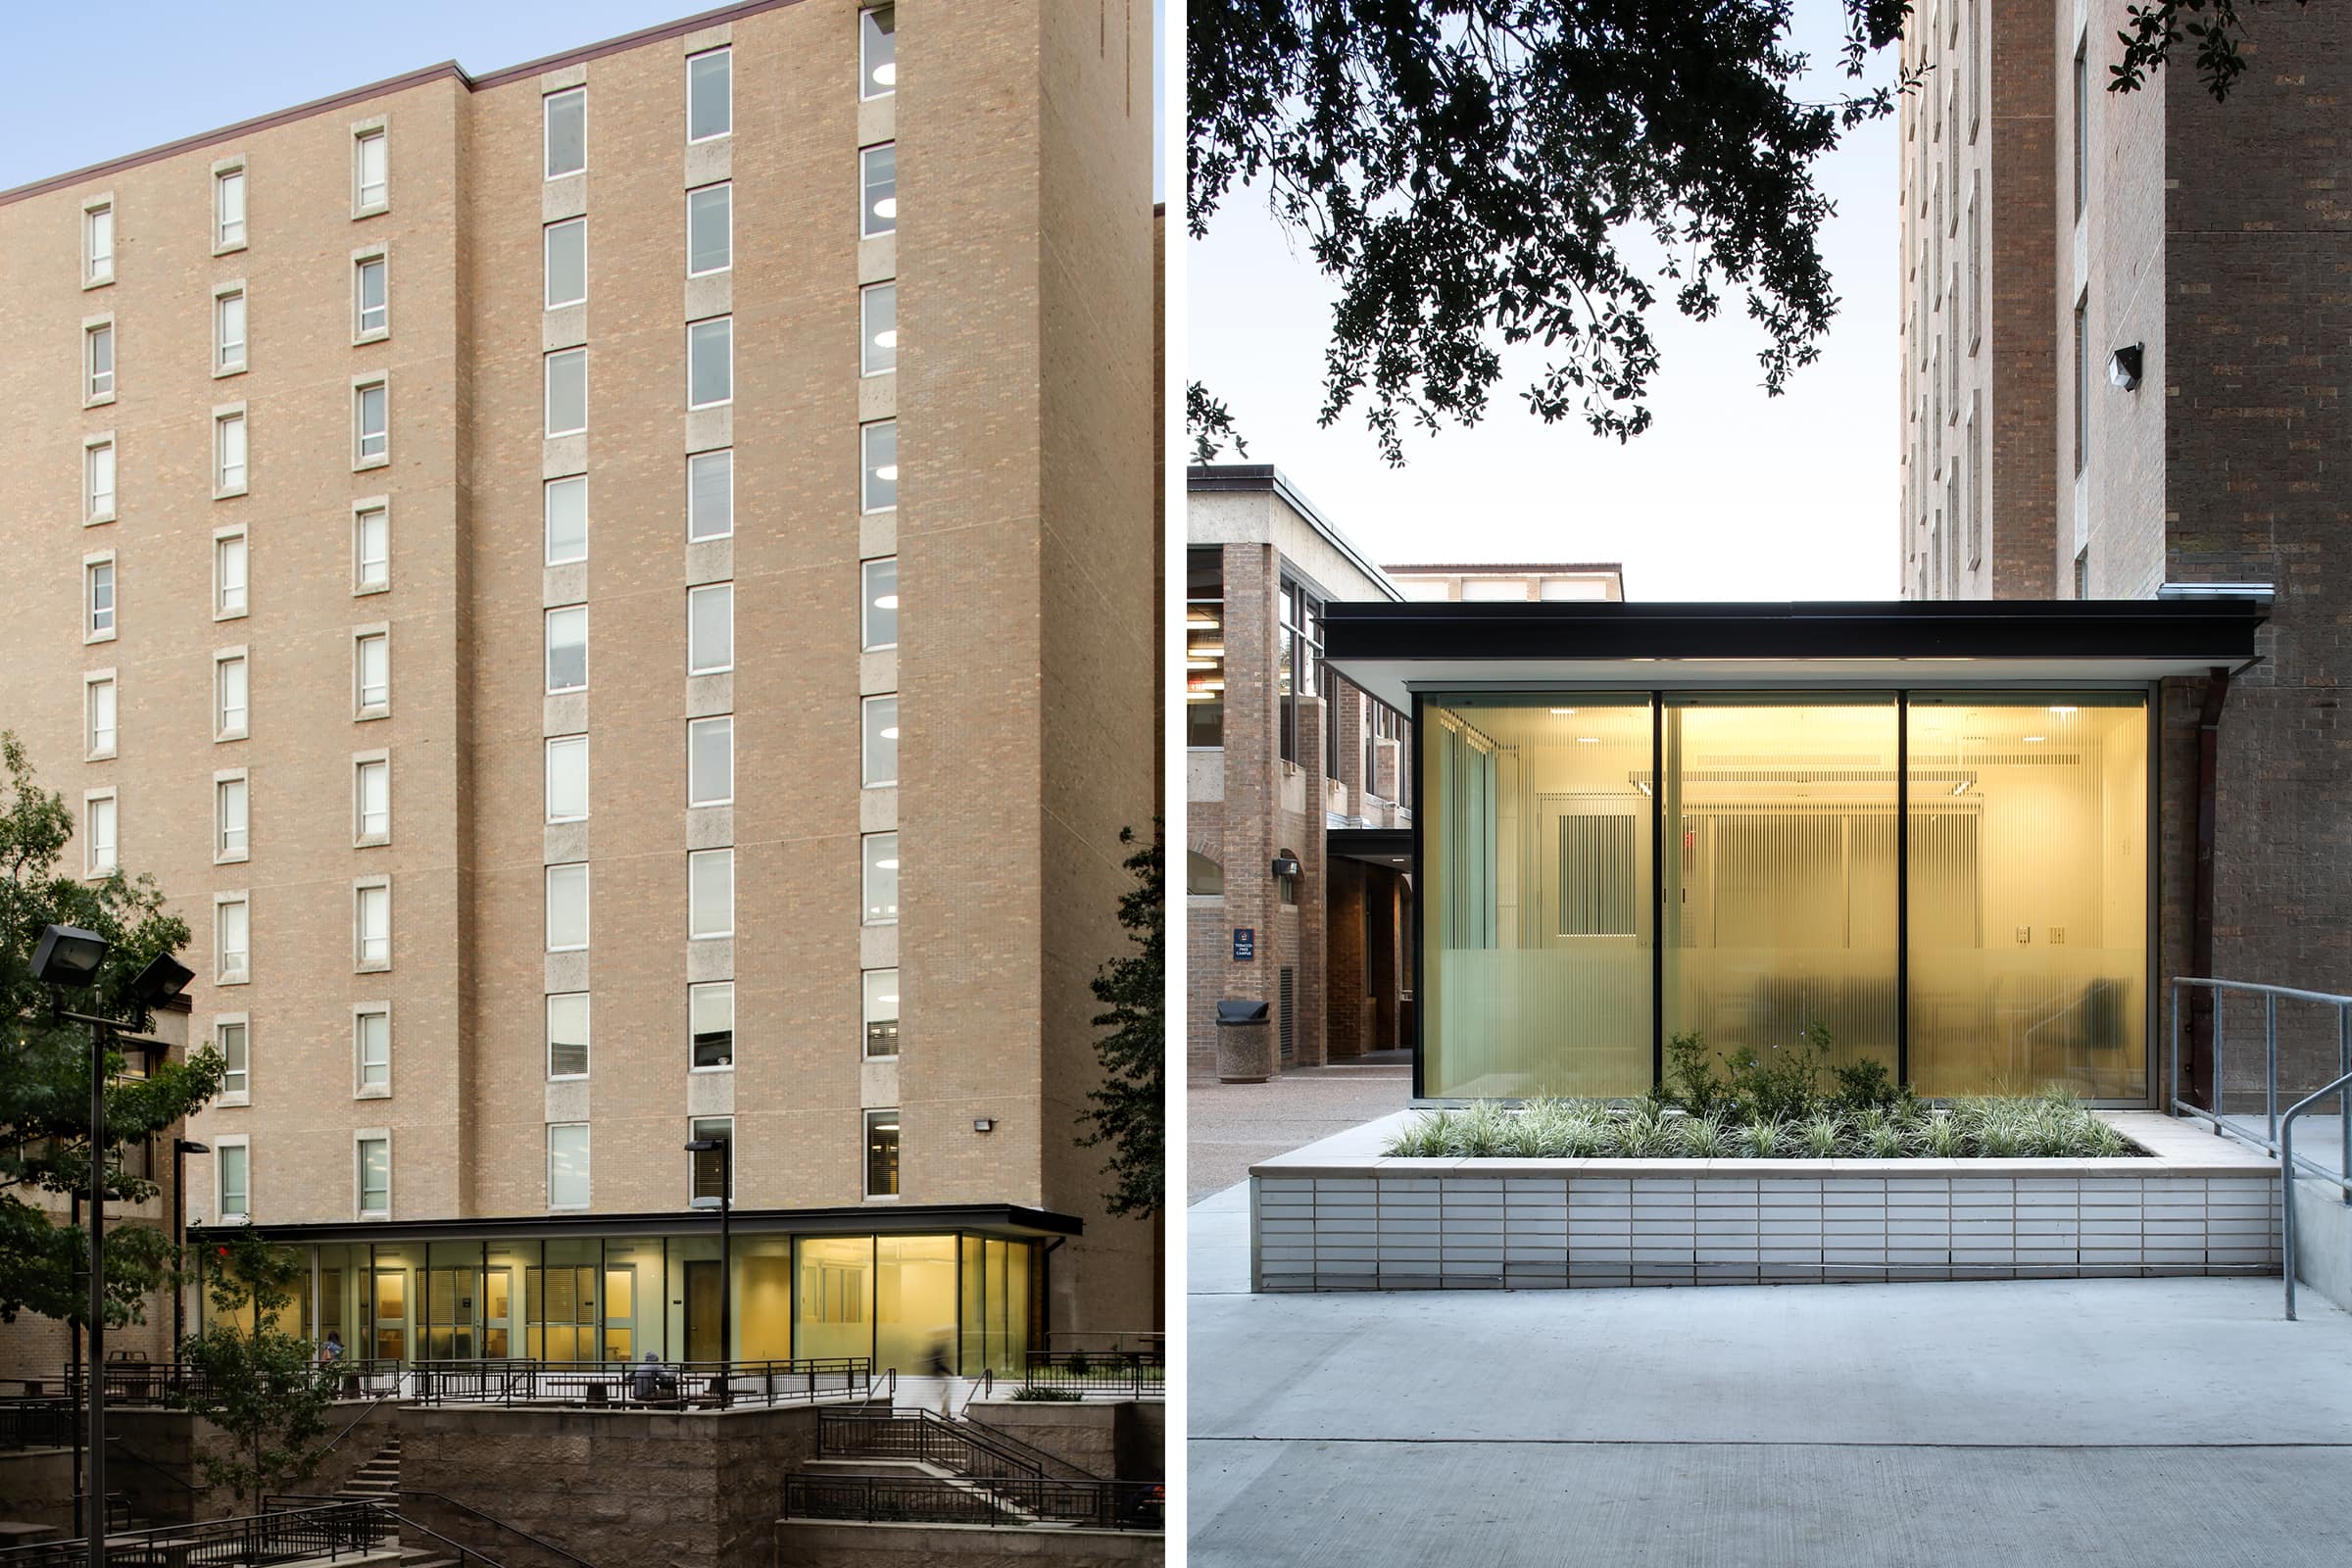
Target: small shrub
1769, 1139
1942, 1138
1884, 1140
1034, 1395
1866, 1085
1690, 1079
1707, 1138
1079, 1365
1823, 1136
1783, 1083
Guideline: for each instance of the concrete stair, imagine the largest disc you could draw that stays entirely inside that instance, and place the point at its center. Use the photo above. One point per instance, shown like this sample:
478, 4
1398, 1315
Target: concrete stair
378, 1480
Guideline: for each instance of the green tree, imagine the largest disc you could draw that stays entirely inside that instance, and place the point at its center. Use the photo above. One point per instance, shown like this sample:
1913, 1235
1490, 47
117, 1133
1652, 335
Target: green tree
1130, 1108
262, 1386
45, 1067
1480, 174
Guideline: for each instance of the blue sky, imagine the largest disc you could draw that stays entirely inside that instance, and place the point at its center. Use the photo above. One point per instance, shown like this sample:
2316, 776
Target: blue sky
1729, 495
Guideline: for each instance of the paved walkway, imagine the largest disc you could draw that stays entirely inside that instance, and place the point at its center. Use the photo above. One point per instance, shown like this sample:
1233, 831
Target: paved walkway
1233, 1126
2028, 1424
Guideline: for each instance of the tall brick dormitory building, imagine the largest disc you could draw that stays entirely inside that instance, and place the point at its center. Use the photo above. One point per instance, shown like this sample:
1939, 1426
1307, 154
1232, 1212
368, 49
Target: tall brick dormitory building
589, 586
2124, 343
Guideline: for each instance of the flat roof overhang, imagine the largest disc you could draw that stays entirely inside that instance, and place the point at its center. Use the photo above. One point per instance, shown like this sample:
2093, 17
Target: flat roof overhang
1389, 848
1391, 650
1009, 1220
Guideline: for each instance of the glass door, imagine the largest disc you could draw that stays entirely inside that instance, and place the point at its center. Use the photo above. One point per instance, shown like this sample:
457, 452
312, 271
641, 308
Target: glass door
498, 1313
391, 1314
451, 1308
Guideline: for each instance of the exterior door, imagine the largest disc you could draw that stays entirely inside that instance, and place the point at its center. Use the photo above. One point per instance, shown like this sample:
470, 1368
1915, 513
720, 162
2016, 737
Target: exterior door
702, 1311
391, 1314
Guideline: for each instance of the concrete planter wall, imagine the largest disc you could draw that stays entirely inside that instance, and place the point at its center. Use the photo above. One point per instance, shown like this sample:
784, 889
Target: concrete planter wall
1341, 1215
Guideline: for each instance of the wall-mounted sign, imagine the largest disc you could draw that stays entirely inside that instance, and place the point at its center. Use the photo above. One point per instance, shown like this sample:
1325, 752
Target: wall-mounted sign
1245, 944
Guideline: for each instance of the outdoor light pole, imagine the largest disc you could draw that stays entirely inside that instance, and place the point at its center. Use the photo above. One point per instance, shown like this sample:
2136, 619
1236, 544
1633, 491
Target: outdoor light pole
726, 1149
71, 957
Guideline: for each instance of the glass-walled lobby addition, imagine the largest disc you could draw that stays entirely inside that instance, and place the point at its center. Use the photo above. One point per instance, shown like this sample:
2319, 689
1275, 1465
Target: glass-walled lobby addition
893, 1299
1956, 884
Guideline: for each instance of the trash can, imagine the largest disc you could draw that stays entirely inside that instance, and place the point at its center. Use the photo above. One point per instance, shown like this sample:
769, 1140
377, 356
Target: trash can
1244, 1043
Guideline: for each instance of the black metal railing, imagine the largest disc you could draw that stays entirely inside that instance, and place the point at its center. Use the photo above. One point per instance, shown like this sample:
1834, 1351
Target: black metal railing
1130, 1374
642, 1385
400, 1507
921, 1437
1004, 1502
36, 1423
337, 1529
166, 1383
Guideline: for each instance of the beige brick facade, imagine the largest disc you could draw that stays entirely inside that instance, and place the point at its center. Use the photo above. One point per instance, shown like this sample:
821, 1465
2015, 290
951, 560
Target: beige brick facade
1023, 530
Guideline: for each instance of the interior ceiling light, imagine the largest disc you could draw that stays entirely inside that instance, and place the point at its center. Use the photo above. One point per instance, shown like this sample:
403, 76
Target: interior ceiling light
1960, 788
1643, 785
2036, 740
886, 207
886, 866
891, 733
2060, 708
888, 338
887, 601
1564, 711
889, 471
1200, 617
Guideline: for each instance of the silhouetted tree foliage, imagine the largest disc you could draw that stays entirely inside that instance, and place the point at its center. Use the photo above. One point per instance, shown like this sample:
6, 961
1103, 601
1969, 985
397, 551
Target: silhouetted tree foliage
1130, 1108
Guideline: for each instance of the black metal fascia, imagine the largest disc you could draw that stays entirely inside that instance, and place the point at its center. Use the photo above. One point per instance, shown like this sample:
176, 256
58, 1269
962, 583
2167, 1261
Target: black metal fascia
2216, 630
847, 1220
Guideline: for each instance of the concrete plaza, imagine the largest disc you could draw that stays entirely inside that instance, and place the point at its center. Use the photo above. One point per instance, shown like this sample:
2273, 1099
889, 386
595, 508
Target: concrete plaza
2017, 1424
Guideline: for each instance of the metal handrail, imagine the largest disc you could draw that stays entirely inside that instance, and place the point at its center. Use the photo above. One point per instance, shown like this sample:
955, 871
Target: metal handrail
641, 1384
2269, 1144
920, 1434
1027, 1502
488, 1519
340, 1528
386, 1503
2286, 1165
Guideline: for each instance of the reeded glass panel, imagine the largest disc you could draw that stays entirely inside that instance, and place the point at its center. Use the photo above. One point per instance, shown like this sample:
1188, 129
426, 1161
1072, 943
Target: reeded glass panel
1538, 839
2028, 836
1780, 881
914, 1301
834, 1312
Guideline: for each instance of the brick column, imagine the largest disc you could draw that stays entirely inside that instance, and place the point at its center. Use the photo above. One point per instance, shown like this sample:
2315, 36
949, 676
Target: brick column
1314, 895
1252, 779
1348, 984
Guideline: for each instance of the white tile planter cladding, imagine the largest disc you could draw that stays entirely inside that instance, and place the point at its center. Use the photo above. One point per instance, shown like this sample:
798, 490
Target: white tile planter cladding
1324, 1219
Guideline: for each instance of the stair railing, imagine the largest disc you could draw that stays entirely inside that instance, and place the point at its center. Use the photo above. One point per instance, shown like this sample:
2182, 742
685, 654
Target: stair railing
2342, 1088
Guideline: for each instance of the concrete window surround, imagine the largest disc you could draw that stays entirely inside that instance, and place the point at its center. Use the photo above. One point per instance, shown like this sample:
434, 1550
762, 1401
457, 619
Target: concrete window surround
1341, 1215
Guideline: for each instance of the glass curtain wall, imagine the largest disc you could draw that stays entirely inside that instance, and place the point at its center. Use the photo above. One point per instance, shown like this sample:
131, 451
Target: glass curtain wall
1780, 888
1536, 853
1780, 897
2028, 835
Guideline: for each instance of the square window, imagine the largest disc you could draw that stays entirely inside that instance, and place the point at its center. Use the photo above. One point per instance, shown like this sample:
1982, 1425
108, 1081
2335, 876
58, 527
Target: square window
566, 510
370, 549
881, 878
232, 943
99, 856
566, 909
878, 444
228, 209
881, 1012
376, 1177
711, 1171
878, 180
228, 576
371, 800
567, 779
372, 419
98, 483
877, 52
230, 841
566, 246
566, 132
710, 894
878, 313
710, 95
234, 1040
710, 760
372, 920
710, 495
98, 244
372, 672
228, 453
711, 362
370, 298
709, 229
567, 1035
228, 331
567, 1165
98, 580
371, 1048
230, 713
882, 1154
711, 629
233, 1163
879, 723
879, 598
567, 649
98, 714
371, 172
567, 392
98, 363
710, 1022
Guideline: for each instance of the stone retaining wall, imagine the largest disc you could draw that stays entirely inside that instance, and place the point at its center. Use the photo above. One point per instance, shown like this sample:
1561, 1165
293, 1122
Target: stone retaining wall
1340, 1216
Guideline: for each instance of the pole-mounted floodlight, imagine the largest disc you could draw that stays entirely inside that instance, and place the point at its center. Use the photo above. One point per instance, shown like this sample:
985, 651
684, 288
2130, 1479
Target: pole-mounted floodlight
69, 956
724, 1149
164, 978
